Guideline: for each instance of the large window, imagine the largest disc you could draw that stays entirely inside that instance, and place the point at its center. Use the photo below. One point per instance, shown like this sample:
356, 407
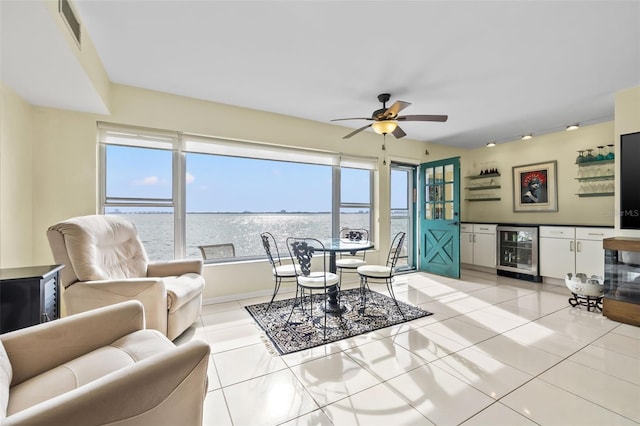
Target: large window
233, 200
184, 191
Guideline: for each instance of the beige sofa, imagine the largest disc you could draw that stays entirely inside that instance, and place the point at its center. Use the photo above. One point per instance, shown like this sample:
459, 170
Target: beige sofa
100, 367
105, 263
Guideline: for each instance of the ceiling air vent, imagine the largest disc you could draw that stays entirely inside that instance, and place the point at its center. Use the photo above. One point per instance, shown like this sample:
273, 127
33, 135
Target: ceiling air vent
70, 18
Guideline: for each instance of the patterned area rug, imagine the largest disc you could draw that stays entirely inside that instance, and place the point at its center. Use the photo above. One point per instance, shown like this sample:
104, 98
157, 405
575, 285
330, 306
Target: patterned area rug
302, 332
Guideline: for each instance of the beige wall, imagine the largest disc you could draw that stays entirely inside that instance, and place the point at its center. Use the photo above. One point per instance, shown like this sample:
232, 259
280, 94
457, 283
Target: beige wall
16, 180
65, 163
561, 146
65, 171
49, 168
87, 57
48, 163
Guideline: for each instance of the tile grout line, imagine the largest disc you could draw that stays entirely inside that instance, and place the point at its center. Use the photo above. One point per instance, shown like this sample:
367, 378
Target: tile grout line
426, 362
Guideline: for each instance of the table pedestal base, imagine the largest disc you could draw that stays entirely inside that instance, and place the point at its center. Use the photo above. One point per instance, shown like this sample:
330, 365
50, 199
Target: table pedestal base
332, 306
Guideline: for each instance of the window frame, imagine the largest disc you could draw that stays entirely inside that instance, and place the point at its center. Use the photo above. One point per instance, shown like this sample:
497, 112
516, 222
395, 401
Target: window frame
339, 204
180, 144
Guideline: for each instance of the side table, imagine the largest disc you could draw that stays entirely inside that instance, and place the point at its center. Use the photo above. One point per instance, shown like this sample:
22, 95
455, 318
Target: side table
29, 296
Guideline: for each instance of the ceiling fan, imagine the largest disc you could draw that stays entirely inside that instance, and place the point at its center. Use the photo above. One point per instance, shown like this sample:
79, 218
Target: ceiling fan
385, 120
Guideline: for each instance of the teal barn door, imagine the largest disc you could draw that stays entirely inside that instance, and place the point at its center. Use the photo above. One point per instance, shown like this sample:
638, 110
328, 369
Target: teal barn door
439, 233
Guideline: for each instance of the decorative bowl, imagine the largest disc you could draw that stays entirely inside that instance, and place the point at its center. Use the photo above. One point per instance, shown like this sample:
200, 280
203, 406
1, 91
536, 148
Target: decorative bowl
583, 286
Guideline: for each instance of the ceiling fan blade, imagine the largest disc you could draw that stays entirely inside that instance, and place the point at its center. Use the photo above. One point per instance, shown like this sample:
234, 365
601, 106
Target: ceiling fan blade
394, 109
353, 118
440, 118
355, 132
399, 133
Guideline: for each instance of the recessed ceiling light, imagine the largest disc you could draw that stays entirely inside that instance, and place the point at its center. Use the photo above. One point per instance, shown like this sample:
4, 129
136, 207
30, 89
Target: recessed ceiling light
573, 127
527, 137
490, 144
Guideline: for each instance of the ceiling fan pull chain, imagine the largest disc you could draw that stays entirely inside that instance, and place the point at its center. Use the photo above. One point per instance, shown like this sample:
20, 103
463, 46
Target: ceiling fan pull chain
384, 148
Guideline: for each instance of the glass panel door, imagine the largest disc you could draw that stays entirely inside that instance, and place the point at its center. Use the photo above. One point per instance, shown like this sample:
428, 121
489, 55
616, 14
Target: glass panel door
403, 211
439, 248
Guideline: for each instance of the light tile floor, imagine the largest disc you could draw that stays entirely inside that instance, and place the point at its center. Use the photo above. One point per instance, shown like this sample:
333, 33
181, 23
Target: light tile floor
497, 351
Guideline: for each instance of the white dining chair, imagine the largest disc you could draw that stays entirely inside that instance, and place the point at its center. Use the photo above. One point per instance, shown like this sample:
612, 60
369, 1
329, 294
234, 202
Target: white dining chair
281, 271
218, 251
384, 272
303, 250
350, 261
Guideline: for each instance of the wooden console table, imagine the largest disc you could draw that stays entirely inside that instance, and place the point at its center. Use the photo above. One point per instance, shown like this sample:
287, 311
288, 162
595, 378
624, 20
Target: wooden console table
622, 280
29, 296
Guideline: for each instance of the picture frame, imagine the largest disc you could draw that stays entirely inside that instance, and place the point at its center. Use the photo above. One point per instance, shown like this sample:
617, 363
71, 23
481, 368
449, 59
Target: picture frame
535, 187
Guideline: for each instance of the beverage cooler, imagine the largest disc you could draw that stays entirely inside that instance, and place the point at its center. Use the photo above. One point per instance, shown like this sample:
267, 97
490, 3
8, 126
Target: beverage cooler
517, 255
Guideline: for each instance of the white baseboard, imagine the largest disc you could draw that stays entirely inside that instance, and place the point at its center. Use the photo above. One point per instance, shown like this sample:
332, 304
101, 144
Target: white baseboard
242, 296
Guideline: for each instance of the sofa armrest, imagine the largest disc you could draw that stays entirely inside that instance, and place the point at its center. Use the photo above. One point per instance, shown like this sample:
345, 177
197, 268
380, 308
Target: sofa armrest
127, 287
151, 292
174, 268
34, 350
166, 389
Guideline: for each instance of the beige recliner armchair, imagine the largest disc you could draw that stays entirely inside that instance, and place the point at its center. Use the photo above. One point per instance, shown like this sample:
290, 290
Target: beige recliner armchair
105, 263
100, 367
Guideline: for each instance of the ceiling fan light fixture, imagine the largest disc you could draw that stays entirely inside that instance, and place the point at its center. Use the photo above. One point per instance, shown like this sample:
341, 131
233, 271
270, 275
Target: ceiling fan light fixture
527, 137
384, 126
573, 127
491, 144
385, 120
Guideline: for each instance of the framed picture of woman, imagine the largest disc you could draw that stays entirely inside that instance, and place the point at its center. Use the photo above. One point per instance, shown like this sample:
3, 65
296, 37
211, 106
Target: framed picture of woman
535, 188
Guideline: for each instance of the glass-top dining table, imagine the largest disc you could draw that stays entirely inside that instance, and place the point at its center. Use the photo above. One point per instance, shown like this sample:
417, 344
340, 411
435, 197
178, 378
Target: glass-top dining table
341, 245
334, 246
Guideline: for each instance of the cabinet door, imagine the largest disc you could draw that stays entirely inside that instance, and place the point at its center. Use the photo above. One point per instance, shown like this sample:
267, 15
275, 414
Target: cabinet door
589, 251
484, 250
590, 257
466, 247
557, 257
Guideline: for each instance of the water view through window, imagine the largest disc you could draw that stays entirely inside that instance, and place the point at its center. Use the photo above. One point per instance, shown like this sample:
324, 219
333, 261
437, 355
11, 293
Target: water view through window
229, 199
241, 229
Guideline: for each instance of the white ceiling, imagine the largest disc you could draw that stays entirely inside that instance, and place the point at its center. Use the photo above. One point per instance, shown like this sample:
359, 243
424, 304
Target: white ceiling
499, 69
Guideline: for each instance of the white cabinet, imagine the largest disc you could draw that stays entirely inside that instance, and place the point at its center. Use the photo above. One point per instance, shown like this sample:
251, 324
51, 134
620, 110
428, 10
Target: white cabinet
565, 249
589, 251
478, 244
557, 251
466, 243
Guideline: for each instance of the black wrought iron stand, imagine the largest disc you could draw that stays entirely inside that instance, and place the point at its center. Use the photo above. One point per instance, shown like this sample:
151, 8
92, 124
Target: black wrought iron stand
594, 302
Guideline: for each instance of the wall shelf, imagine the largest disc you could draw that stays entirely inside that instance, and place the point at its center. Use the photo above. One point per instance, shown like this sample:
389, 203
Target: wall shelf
595, 178
596, 194
605, 174
489, 175
477, 188
595, 163
491, 182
